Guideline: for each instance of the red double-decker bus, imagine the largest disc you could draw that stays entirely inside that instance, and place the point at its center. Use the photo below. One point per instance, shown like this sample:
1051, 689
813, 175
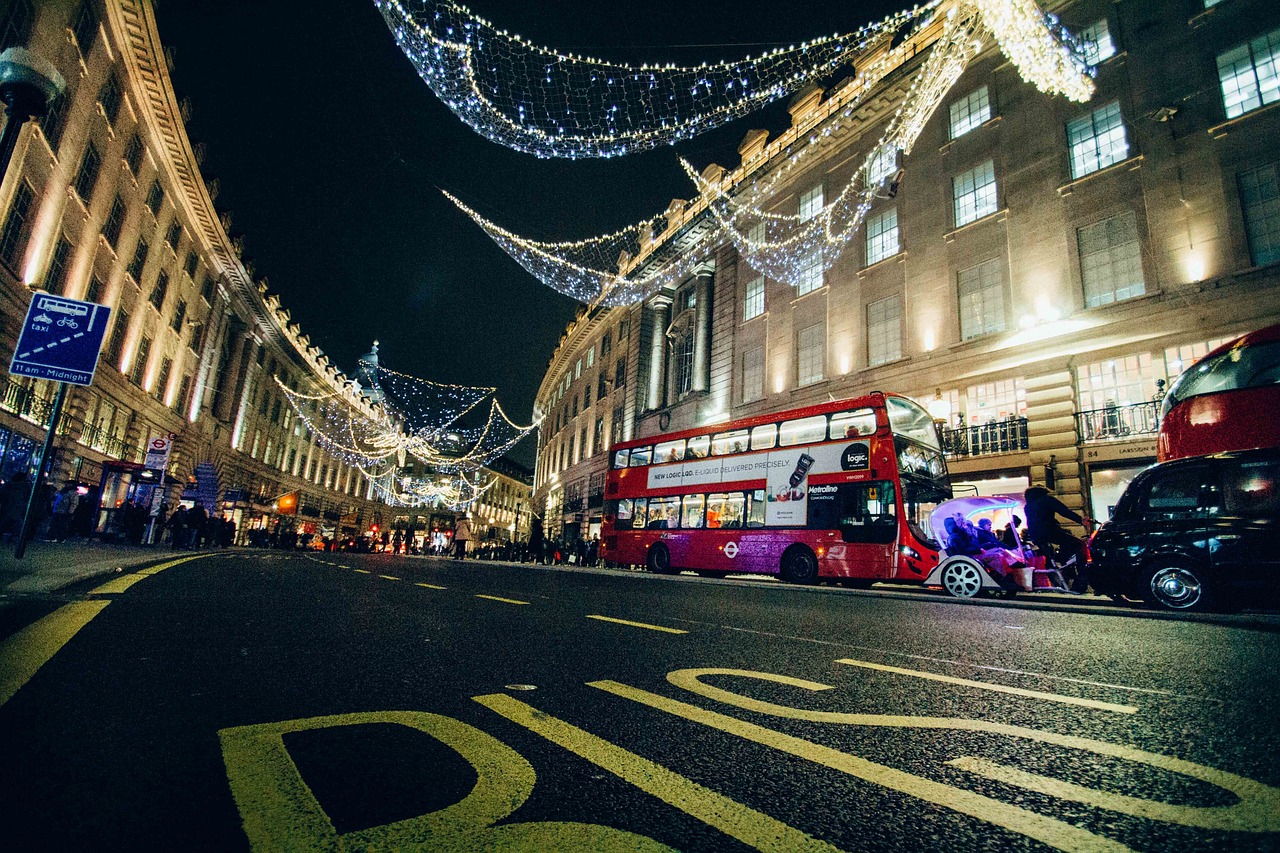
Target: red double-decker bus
838, 491
1228, 400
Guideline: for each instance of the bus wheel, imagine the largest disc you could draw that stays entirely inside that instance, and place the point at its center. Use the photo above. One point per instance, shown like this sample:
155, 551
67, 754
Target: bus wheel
799, 565
659, 560
962, 579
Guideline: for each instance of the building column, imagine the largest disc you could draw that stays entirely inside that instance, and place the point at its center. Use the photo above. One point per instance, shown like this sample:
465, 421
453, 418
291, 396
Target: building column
702, 332
660, 308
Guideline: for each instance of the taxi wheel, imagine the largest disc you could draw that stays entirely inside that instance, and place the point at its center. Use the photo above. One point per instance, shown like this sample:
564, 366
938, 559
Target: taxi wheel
799, 565
659, 560
1176, 585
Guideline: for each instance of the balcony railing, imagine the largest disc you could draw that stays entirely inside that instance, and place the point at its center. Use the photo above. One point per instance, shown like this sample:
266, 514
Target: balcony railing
1112, 423
1006, 436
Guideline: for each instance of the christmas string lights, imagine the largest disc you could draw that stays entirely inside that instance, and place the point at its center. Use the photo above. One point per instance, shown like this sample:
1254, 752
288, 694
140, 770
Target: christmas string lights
550, 103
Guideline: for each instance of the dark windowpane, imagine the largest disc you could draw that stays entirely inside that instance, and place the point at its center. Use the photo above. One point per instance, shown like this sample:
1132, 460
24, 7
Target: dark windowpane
53, 122
193, 261
133, 154
15, 24
139, 259
55, 280
174, 236
96, 289
115, 221
87, 177
110, 98
155, 198
158, 292
140, 361
16, 225
179, 314
85, 26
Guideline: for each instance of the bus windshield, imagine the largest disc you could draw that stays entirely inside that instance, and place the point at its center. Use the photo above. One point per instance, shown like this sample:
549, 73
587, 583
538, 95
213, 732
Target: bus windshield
909, 420
1238, 367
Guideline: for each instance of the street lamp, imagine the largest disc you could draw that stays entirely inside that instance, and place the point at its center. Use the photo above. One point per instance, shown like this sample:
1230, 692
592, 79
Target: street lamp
28, 84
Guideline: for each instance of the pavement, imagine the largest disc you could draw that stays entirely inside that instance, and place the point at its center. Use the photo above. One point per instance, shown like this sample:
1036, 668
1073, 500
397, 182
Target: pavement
47, 567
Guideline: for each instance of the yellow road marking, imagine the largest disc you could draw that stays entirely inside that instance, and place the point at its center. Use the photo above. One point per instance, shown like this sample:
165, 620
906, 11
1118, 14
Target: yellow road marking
1047, 830
361, 571
430, 586
504, 600
22, 654
119, 584
749, 826
998, 688
637, 624
389, 577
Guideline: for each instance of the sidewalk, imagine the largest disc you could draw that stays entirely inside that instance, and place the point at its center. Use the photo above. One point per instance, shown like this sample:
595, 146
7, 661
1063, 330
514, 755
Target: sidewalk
49, 566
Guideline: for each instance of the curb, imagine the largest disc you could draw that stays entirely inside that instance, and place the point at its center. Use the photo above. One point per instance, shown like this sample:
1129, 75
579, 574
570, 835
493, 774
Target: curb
40, 583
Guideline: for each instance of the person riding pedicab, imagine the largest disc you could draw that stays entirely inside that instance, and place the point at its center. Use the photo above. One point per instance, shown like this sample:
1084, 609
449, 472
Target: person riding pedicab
1048, 535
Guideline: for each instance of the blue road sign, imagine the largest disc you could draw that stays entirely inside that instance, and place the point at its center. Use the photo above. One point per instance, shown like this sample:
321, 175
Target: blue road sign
60, 339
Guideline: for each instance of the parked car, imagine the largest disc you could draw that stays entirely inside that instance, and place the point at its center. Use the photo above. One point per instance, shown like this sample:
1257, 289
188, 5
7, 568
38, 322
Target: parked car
1195, 534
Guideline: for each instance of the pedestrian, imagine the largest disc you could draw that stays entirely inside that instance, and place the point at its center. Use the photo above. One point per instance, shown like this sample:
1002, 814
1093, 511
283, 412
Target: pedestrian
196, 517
536, 541
64, 507
461, 535
177, 527
397, 539
1047, 534
84, 520
13, 506
593, 551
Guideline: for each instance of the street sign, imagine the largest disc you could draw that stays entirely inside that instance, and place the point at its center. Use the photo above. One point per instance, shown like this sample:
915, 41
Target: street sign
158, 454
60, 339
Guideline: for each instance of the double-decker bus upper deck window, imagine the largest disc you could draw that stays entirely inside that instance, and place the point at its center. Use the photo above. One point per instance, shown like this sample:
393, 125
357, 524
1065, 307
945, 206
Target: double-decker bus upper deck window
664, 512
764, 437
726, 509
699, 446
695, 507
640, 456
725, 443
621, 458
911, 421
668, 451
855, 424
803, 431
755, 512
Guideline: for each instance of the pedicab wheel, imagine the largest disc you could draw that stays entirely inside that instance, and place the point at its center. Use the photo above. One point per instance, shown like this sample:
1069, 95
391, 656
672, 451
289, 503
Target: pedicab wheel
659, 560
1176, 585
962, 579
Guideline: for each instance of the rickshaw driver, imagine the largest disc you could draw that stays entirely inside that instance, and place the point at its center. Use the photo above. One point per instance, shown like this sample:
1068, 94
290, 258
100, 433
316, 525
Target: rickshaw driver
1042, 526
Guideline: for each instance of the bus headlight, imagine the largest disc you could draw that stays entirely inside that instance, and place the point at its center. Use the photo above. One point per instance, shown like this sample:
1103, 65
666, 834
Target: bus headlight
908, 551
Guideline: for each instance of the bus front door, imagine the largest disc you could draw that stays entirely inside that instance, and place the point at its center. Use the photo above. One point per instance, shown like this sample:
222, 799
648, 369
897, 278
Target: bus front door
868, 527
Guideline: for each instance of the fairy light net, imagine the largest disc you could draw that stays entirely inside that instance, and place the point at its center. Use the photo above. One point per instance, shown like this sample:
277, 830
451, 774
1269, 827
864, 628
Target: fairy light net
551, 103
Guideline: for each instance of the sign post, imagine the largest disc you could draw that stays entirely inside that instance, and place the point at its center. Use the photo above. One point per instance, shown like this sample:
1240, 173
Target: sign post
60, 340
157, 460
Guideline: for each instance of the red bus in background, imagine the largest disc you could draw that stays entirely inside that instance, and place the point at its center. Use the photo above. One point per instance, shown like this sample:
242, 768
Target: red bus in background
838, 491
1228, 400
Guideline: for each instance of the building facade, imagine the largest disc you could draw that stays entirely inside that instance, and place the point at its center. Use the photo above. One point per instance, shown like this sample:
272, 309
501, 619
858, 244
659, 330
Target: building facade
104, 201
1037, 275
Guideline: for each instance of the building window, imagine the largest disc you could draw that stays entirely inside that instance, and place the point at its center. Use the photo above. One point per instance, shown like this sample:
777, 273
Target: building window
1260, 199
87, 176
811, 354
193, 260
975, 194
1250, 74
1111, 260
615, 425
158, 292
162, 379
684, 363
139, 259
586, 396
1097, 140
96, 289
591, 356
1096, 41
179, 315
981, 291
810, 276
15, 24
970, 112
174, 235
884, 163
620, 373
206, 289
1117, 381
84, 25
110, 98
577, 370
115, 221
53, 122
602, 384
155, 197
16, 225
753, 302
140, 361
996, 401
133, 154
811, 203
598, 438
197, 337
606, 346
884, 331
55, 280
115, 345
753, 375
882, 236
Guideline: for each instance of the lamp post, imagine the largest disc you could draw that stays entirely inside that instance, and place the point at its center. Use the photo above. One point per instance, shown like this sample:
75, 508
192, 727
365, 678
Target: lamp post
28, 84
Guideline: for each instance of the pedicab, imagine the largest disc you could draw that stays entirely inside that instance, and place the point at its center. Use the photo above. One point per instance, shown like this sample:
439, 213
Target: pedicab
966, 575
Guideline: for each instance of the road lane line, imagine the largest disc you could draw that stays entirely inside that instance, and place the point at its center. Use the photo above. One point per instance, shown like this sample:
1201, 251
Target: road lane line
362, 571
637, 624
747, 825
430, 586
119, 584
998, 688
1047, 830
389, 577
840, 645
22, 654
504, 600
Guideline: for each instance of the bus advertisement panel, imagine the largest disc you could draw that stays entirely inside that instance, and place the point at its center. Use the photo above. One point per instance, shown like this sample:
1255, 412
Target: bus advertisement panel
841, 491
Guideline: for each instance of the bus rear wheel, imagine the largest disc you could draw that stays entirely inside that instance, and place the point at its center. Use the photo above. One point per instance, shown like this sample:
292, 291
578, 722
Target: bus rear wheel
659, 560
799, 565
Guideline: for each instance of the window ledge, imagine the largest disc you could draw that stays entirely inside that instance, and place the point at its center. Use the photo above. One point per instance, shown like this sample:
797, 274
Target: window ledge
1220, 130
991, 122
900, 257
1129, 164
998, 216
756, 317
822, 289
902, 359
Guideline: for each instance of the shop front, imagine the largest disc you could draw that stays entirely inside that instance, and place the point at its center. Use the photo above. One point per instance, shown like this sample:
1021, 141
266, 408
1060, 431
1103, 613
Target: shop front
1109, 470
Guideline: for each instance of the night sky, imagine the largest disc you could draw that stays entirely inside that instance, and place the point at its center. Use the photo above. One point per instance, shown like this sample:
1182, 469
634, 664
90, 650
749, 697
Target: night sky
330, 153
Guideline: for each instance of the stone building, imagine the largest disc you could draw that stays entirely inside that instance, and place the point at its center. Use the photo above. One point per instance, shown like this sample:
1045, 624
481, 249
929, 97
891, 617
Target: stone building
1035, 277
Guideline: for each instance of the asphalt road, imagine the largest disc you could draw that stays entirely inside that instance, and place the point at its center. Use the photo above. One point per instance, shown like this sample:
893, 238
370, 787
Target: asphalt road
329, 701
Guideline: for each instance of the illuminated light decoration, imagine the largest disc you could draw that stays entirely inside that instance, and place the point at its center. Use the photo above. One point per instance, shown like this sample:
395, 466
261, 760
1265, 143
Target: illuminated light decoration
625, 267
549, 103
458, 494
